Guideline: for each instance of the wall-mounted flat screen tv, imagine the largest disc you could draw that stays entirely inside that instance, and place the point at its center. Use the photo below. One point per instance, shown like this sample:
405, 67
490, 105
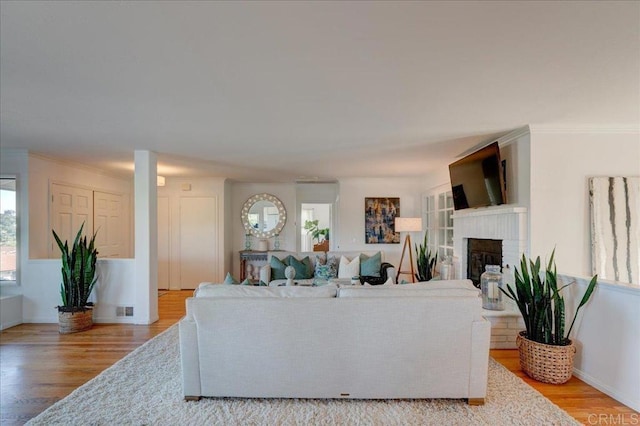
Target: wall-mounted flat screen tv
477, 180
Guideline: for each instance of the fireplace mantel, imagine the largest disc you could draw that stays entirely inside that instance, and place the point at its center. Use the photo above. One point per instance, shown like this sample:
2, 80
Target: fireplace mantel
489, 211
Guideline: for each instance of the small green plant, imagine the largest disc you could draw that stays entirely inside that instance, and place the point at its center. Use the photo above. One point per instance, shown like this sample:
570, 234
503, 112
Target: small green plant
311, 226
541, 303
78, 272
425, 262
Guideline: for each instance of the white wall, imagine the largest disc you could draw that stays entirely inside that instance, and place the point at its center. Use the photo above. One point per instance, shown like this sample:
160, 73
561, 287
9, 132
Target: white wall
176, 189
349, 233
561, 166
42, 172
609, 337
41, 290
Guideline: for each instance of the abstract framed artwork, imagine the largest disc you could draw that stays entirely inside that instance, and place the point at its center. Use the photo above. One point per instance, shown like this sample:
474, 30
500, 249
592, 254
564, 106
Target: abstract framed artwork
379, 220
615, 226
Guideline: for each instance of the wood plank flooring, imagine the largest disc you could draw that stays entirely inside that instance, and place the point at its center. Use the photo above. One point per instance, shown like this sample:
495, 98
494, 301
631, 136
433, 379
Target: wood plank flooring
39, 367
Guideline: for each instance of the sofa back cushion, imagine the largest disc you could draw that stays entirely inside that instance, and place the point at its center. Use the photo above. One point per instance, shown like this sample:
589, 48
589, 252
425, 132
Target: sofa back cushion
455, 288
223, 290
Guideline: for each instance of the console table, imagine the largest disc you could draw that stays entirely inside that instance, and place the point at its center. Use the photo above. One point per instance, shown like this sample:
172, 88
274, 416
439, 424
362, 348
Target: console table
250, 263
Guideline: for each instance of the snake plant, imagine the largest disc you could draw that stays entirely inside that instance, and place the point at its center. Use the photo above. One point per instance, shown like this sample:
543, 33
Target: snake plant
78, 272
425, 262
541, 303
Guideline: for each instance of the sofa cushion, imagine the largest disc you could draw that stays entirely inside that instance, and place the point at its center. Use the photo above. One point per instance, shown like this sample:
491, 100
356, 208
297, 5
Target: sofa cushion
277, 268
348, 269
370, 265
218, 290
447, 284
455, 289
304, 269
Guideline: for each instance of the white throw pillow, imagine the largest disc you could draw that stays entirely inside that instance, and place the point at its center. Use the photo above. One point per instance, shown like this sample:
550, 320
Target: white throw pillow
349, 269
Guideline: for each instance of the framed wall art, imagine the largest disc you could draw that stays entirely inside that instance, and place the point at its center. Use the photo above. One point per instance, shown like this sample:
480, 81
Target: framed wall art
615, 226
379, 220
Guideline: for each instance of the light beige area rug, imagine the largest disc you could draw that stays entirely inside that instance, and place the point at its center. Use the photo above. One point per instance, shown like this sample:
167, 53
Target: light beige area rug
144, 388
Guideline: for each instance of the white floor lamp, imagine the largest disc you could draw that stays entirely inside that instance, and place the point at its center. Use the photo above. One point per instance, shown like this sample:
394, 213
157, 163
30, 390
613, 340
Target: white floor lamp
407, 224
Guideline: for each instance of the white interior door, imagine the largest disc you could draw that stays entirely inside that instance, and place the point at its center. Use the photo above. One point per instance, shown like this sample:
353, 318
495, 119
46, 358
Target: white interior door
198, 240
163, 243
71, 206
109, 224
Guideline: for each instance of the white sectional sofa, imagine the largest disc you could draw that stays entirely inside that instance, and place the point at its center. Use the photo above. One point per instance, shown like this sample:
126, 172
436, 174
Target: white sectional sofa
400, 341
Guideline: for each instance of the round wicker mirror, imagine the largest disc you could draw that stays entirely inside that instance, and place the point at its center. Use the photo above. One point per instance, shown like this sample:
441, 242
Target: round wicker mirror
263, 215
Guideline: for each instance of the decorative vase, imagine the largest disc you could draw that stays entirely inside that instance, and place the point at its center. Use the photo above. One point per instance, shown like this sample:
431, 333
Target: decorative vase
545, 363
247, 242
276, 242
73, 322
490, 283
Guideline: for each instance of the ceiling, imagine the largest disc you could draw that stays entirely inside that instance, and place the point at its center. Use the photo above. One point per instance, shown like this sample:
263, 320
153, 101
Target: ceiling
280, 91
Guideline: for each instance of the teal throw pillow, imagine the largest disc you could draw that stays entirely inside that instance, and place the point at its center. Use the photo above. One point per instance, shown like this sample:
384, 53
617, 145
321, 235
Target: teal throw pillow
229, 279
277, 268
370, 266
309, 265
246, 282
302, 267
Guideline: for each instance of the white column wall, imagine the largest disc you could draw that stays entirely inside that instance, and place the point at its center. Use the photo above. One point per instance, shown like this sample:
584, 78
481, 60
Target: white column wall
146, 237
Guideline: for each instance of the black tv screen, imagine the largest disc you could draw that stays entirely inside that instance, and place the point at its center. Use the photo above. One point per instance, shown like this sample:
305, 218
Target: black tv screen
477, 180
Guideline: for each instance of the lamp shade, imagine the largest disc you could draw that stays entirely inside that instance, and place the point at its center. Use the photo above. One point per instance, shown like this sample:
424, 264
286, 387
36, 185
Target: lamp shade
408, 224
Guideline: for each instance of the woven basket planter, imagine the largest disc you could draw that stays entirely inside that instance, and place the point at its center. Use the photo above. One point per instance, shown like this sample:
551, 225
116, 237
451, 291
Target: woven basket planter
73, 322
545, 363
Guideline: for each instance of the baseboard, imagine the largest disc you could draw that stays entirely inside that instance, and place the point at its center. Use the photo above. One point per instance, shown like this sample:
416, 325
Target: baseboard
114, 320
9, 324
592, 381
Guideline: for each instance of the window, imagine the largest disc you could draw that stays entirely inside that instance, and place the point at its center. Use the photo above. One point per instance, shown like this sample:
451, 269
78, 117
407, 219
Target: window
8, 231
438, 222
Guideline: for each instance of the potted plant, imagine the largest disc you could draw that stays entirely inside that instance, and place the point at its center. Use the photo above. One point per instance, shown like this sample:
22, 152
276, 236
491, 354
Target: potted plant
546, 352
78, 279
425, 262
311, 226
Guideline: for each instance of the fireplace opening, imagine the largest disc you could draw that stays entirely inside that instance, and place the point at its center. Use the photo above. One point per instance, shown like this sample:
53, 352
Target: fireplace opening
481, 252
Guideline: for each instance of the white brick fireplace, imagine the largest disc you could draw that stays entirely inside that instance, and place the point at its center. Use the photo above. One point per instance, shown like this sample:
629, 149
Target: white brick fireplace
506, 223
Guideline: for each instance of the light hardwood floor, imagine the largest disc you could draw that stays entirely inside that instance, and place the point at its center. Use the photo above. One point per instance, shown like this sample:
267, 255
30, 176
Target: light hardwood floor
39, 367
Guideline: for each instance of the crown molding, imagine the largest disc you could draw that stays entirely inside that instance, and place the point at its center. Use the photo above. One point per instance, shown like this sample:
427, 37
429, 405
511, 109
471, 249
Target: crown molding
513, 135
582, 128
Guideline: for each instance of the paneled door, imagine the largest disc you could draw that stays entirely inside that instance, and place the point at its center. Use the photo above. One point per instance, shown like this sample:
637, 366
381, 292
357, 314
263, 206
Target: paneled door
198, 240
108, 223
164, 259
71, 206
